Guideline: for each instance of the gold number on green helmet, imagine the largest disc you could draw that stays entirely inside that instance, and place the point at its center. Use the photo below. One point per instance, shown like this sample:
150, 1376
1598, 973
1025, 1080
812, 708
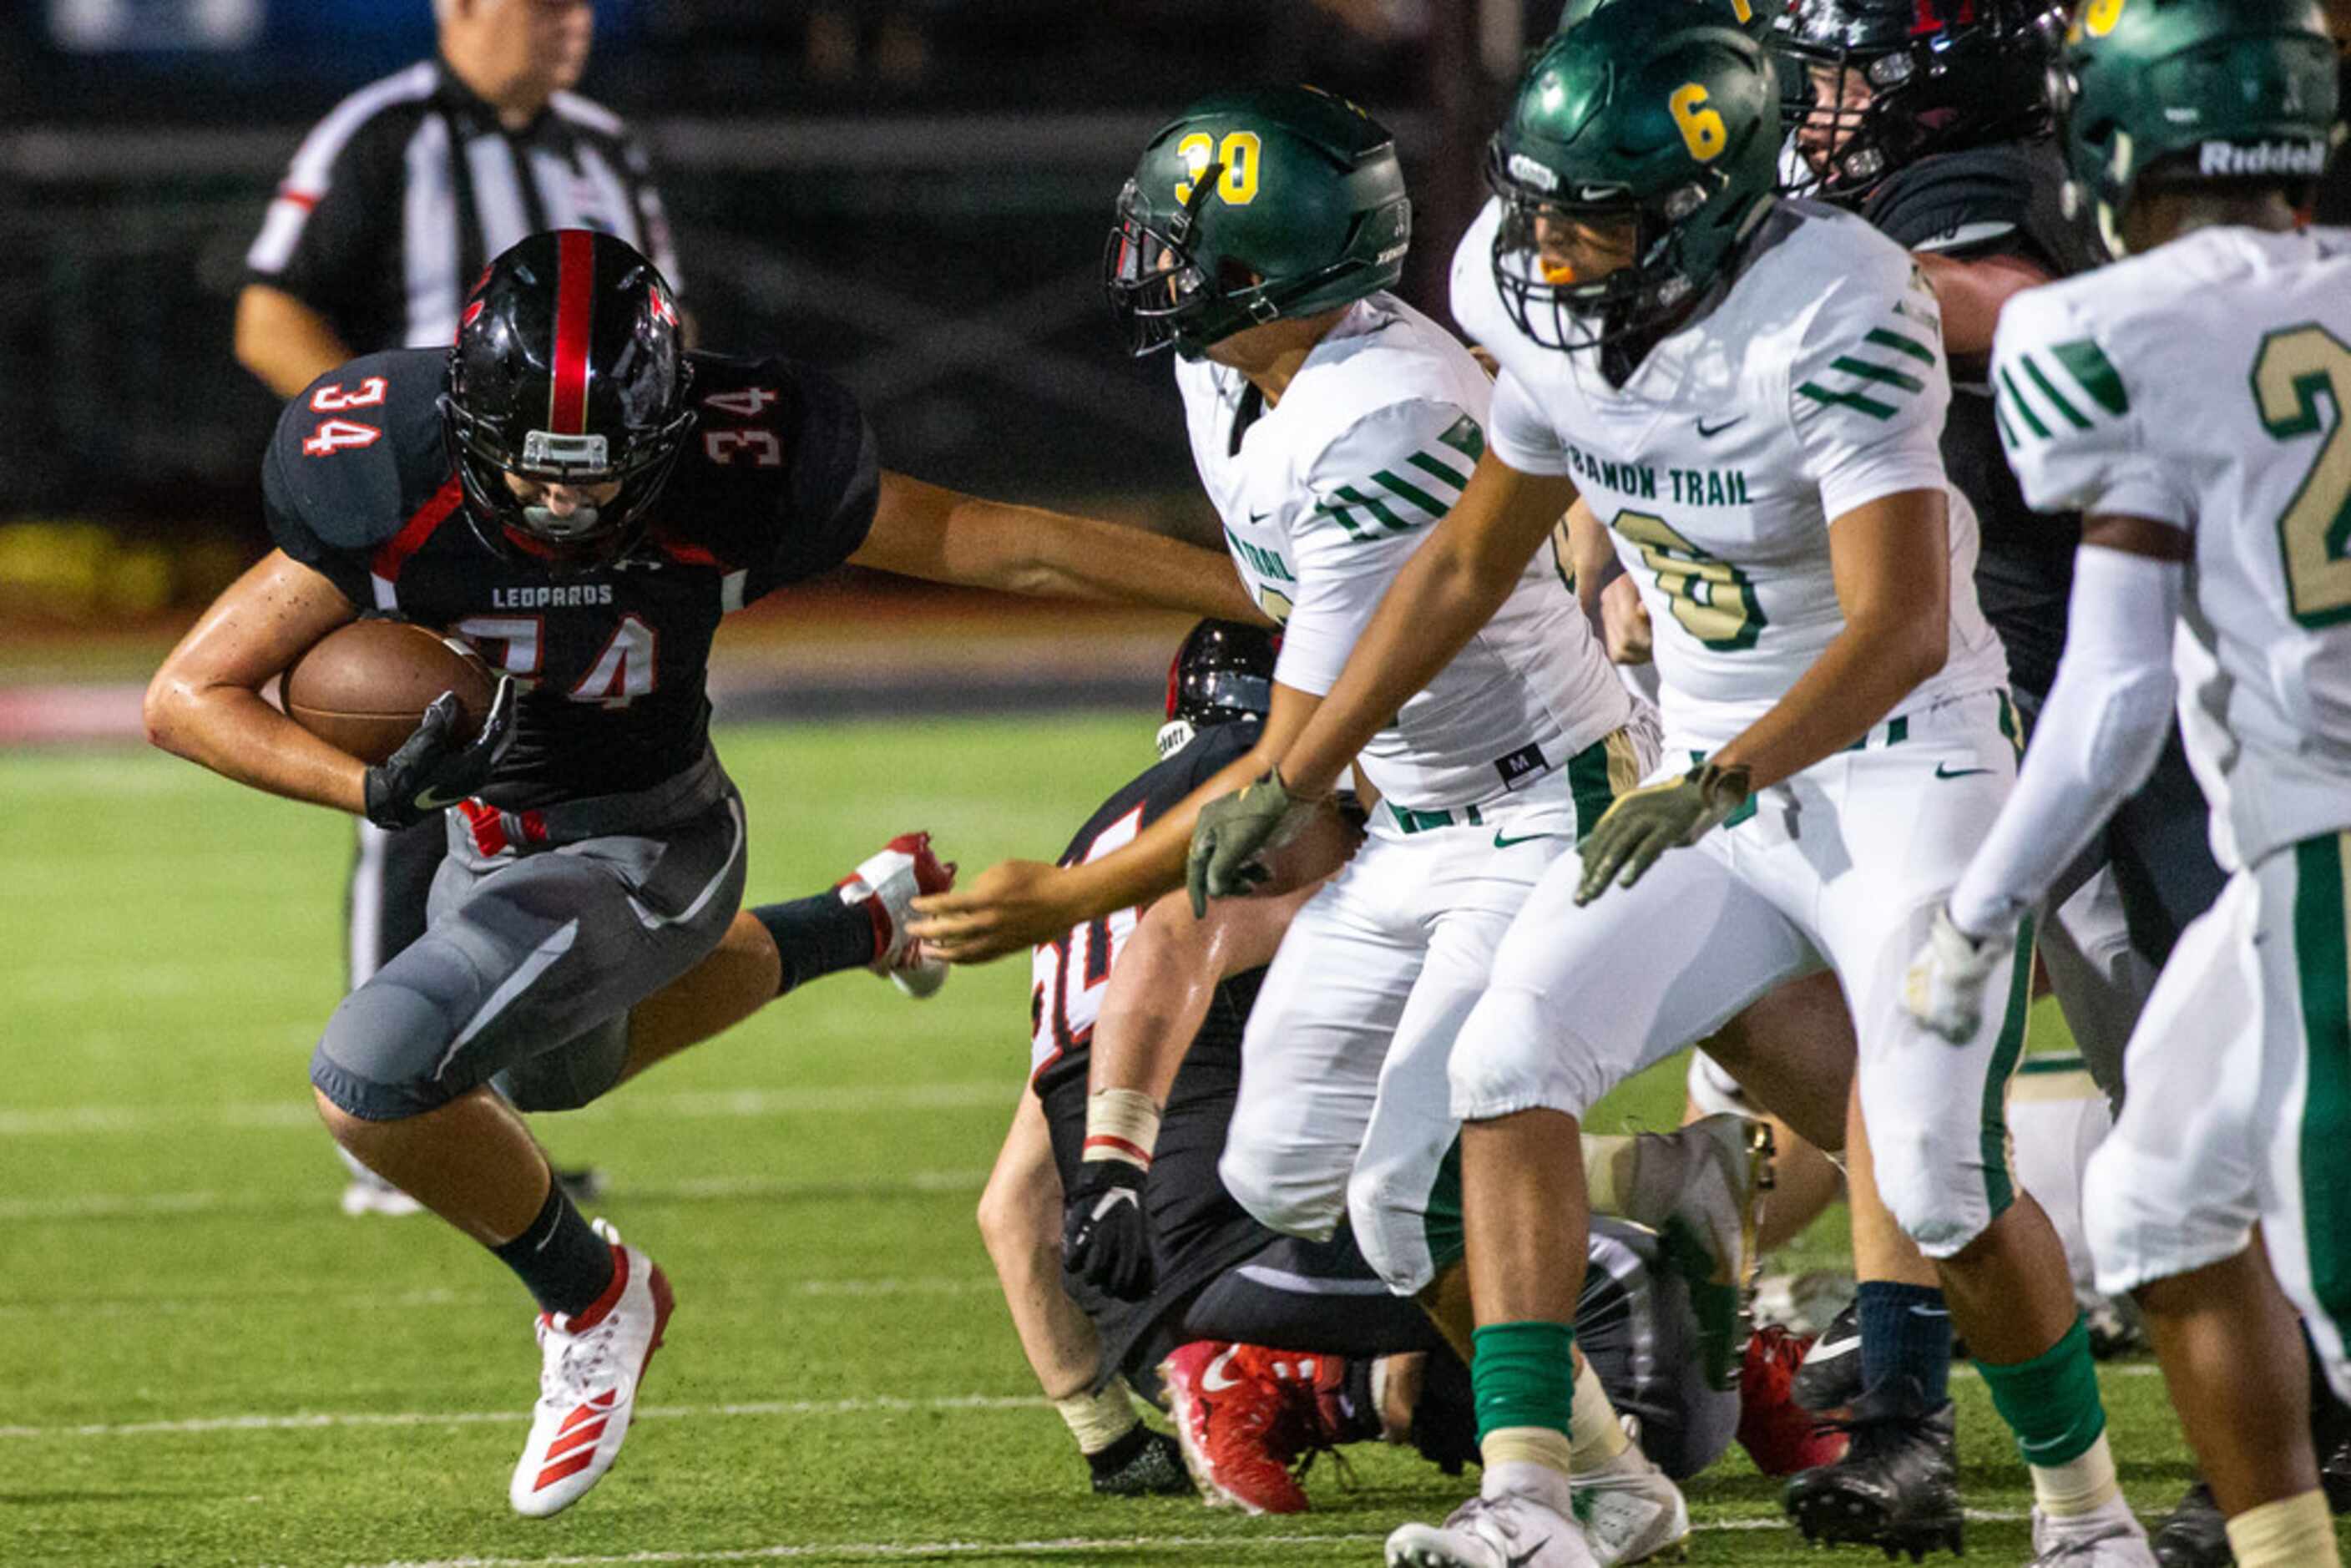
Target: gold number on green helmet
1238, 155
1702, 128
2296, 368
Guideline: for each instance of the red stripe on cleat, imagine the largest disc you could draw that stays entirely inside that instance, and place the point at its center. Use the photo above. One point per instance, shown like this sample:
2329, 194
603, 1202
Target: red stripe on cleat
562, 1467
584, 1438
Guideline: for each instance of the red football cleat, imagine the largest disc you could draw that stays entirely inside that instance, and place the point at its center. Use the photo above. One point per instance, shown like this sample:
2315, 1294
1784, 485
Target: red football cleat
1781, 1435
1227, 1412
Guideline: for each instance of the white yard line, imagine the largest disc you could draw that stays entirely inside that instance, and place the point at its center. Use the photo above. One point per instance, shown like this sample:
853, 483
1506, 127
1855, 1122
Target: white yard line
878, 1403
272, 1114
700, 1189
885, 1550
380, 1302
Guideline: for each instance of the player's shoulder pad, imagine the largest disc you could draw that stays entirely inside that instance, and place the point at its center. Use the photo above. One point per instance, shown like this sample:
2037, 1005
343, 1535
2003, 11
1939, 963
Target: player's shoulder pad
1368, 397
1476, 303
358, 451
2062, 386
1955, 202
776, 443
1868, 331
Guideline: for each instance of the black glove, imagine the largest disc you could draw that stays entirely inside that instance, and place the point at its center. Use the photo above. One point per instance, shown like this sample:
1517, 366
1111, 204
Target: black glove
434, 769
1105, 1234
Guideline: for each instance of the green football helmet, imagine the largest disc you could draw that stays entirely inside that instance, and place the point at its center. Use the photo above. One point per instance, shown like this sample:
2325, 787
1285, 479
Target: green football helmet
1753, 17
1664, 113
2156, 91
1250, 206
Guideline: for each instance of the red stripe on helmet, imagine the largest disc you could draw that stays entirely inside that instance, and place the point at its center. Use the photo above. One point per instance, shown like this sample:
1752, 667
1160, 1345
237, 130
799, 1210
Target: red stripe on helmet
575, 277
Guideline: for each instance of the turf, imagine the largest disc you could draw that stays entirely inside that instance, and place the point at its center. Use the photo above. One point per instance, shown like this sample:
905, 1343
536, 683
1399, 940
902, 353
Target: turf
207, 1364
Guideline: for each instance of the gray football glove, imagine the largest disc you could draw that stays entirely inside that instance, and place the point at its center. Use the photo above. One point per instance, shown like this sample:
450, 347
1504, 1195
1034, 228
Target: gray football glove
1233, 832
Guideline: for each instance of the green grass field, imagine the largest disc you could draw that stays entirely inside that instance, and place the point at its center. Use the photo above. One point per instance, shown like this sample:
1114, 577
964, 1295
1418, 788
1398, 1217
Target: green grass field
207, 1364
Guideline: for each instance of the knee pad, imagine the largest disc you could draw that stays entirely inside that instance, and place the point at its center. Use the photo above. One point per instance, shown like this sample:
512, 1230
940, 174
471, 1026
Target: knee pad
378, 1057
1384, 1231
1933, 1182
1295, 1203
1510, 1057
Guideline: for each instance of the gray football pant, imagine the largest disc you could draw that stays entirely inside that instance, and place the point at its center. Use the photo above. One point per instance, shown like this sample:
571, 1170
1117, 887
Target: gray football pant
530, 964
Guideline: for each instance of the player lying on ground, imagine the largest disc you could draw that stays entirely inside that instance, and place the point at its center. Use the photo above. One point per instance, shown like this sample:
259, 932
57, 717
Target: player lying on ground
1136, 1058
570, 490
2191, 402
1750, 395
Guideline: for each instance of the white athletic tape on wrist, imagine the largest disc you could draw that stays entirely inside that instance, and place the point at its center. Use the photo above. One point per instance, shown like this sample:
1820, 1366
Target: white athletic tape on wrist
1120, 1125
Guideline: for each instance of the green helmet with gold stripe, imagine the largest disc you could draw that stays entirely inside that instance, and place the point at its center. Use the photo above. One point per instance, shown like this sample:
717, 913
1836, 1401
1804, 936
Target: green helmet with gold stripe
1252, 206
2164, 91
1661, 116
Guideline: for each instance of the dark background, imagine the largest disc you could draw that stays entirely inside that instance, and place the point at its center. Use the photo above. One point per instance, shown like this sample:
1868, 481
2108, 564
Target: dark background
910, 192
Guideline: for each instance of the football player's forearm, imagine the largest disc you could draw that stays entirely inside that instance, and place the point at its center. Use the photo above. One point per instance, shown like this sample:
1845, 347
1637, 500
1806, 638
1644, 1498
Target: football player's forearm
2098, 737
1856, 681
1158, 996
1972, 294
241, 737
283, 341
1078, 558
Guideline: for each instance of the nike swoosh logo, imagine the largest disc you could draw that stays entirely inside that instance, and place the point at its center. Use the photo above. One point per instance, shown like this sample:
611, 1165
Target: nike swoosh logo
1113, 1198
434, 800
1945, 770
1523, 1558
1257, 517
1502, 843
1213, 1379
1706, 434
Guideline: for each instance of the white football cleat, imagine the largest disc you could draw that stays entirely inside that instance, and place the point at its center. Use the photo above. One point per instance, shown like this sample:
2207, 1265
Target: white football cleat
592, 1364
1508, 1531
2108, 1537
886, 883
1631, 1511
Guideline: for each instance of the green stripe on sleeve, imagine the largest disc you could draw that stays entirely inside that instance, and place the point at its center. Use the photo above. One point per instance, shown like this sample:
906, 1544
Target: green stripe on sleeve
1901, 344
1372, 505
2049, 391
2088, 364
2007, 431
1345, 520
1439, 470
1413, 493
1881, 374
1855, 401
2023, 409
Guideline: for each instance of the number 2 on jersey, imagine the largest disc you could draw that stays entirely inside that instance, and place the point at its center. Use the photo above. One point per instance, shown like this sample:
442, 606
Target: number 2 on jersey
2296, 369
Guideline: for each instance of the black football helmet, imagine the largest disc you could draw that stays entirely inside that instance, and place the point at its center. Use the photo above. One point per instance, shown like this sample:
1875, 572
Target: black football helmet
1938, 76
1222, 674
568, 369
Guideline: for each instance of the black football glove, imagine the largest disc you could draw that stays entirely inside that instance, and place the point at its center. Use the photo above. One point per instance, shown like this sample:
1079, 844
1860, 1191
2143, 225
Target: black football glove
433, 768
1105, 1234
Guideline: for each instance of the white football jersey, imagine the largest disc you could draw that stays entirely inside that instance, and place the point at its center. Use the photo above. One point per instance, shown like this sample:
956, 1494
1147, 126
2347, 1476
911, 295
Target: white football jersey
1326, 495
2207, 384
1815, 385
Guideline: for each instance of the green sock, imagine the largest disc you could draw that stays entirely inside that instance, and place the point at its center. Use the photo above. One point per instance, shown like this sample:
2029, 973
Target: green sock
2050, 1402
1523, 1375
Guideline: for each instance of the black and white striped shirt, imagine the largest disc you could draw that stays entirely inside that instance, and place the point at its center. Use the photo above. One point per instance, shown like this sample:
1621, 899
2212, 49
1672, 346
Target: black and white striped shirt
397, 200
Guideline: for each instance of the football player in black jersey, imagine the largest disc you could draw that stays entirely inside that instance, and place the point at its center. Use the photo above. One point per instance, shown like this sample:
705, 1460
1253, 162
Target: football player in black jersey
577, 496
1126, 1261
1930, 119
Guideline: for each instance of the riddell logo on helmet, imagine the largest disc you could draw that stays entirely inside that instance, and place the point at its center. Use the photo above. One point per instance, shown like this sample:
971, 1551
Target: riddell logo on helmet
2230, 158
1527, 172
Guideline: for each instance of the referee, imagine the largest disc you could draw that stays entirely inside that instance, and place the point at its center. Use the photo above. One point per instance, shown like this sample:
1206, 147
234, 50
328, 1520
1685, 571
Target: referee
394, 204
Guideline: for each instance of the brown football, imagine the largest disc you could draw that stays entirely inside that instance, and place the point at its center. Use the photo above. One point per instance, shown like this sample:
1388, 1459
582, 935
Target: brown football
363, 688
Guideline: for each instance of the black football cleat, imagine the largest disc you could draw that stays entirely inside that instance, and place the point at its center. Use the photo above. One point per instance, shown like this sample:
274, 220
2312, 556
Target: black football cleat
2195, 1535
1830, 1377
1896, 1488
1155, 1468
2335, 1475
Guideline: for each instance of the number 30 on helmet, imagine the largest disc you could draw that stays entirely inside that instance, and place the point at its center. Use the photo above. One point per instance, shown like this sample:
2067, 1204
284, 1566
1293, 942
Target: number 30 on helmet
1252, 206
569, 369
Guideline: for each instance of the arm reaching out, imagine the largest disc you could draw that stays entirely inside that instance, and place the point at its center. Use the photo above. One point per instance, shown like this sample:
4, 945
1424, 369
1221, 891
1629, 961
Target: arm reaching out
922, 530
